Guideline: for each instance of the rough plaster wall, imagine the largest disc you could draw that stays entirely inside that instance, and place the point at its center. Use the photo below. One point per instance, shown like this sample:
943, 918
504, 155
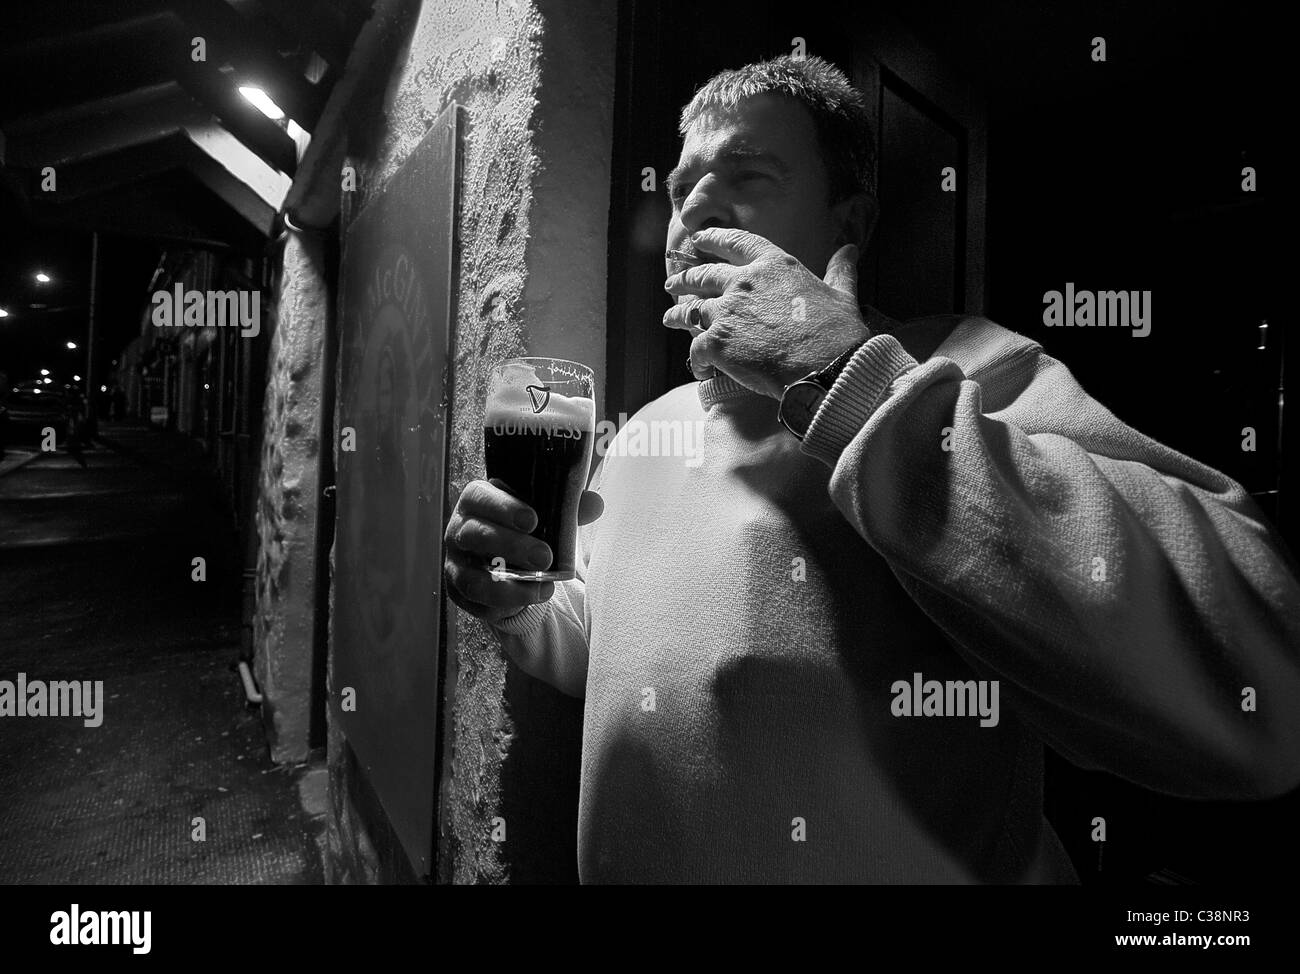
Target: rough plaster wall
350, 858
535, 79
481, 55
287, 505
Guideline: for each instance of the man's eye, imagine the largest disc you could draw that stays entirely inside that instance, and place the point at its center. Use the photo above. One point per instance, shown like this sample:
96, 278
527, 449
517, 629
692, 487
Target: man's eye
749, 174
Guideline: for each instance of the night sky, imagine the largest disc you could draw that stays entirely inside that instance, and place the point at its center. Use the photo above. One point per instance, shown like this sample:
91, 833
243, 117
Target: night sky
44, 317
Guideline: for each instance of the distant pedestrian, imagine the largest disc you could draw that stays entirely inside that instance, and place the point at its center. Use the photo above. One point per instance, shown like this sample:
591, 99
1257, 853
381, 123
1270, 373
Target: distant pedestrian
76, 424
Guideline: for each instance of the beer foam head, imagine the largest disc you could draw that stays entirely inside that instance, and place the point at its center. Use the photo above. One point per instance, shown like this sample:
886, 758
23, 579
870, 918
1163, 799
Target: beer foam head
517, 392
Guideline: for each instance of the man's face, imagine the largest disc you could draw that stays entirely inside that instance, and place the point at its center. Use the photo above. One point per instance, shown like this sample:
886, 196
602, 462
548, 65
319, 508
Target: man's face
757, 167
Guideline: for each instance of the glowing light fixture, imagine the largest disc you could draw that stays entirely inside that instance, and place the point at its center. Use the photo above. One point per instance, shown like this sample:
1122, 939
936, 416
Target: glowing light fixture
72, 345
259, 100
43, 277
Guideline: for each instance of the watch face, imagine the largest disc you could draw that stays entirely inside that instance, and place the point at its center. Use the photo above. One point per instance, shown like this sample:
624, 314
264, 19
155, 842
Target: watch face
799, 404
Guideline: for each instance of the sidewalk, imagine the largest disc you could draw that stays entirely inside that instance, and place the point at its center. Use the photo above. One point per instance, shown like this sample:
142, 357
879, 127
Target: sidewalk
15, 458
175, 785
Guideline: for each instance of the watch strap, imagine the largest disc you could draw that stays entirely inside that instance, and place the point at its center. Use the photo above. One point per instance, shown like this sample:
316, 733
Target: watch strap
826, 377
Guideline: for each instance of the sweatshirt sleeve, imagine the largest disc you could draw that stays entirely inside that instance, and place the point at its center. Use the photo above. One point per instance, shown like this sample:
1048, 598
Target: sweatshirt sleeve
1136, 608
548, 640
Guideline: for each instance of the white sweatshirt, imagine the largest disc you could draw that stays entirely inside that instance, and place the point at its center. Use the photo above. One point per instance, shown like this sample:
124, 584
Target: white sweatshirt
743, 627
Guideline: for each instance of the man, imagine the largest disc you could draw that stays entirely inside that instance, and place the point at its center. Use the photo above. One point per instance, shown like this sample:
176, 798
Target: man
758, 636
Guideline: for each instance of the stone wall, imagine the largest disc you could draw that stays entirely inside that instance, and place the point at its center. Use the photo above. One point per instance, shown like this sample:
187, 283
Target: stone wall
288, 500
535, 79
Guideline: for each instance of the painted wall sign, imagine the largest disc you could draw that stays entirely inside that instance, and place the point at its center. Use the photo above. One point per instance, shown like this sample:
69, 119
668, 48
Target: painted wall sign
394, 350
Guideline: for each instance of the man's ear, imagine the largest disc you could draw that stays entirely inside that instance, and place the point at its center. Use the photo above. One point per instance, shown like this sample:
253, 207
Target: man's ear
855, 220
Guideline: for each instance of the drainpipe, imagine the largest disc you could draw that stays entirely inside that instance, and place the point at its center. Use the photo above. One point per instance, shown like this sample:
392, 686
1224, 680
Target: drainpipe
250, 688
249, 606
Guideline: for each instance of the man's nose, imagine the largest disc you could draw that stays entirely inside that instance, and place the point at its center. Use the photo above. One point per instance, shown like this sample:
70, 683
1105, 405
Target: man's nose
706, 207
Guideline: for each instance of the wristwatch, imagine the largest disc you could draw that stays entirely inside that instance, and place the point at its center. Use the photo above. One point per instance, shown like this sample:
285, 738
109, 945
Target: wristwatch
801, 398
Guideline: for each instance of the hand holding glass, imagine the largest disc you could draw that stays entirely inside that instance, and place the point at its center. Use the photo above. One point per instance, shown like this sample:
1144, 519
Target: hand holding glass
538, 434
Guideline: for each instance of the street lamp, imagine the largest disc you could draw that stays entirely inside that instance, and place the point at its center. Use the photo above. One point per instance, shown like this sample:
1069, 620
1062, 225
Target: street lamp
72, 346
45, 371
4, 313
42, 277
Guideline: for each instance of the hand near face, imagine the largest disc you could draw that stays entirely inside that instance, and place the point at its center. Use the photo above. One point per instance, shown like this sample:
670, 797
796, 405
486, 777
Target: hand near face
762, 317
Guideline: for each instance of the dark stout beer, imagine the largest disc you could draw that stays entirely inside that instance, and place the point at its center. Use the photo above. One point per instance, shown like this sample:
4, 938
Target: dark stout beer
548, 472
539, 441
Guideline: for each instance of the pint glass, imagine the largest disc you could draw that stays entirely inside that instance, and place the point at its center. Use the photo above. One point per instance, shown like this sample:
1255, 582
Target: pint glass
538, 432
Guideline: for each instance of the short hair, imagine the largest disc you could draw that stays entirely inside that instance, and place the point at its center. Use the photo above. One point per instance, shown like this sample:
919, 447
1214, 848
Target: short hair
838, 110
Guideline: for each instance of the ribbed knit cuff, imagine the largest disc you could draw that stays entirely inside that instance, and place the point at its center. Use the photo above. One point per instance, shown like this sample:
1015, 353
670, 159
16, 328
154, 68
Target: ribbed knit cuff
527, 620
855, 396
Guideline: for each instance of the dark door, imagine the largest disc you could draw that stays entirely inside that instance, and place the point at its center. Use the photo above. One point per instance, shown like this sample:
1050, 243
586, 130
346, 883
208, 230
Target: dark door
927, 255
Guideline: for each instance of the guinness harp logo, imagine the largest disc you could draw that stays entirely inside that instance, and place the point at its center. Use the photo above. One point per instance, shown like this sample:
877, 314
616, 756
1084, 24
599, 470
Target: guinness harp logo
540, 395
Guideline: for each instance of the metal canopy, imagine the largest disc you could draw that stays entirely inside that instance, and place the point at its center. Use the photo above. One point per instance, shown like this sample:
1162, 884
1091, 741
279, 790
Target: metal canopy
109, 95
